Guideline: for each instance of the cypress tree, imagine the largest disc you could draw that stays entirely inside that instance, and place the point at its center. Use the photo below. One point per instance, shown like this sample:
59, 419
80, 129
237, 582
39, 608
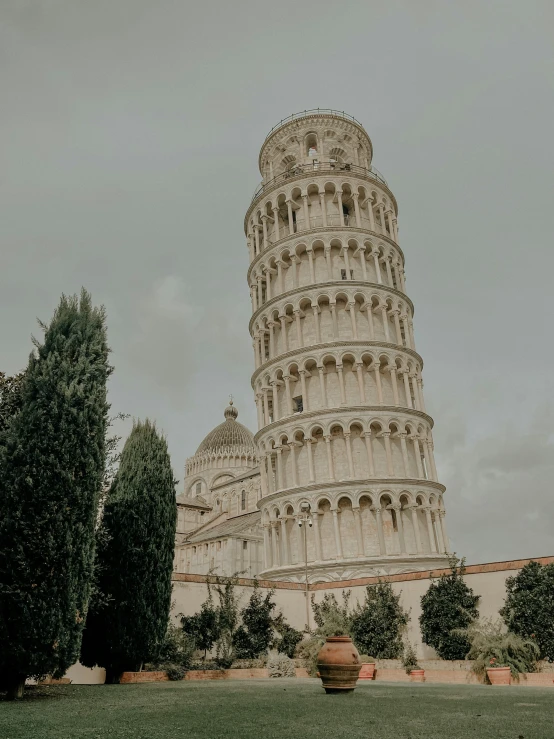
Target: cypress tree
51, 466
10, 400
128, 618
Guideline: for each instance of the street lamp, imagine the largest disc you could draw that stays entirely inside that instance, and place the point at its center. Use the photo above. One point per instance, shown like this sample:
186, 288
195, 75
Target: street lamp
304, 520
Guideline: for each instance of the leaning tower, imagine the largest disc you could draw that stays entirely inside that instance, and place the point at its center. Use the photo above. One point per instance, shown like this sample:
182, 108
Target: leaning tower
343, 433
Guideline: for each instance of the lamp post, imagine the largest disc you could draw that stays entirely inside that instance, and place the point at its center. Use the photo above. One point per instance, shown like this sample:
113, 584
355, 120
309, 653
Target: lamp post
304, 520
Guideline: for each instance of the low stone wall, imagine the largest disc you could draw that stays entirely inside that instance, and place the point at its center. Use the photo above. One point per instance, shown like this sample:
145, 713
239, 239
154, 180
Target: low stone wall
530, 679
455, 672
237, 674
147, 676
156, 676
206, 675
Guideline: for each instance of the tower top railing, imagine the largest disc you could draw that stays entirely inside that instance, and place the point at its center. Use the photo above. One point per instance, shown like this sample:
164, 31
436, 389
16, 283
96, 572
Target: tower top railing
313, 111
299, 170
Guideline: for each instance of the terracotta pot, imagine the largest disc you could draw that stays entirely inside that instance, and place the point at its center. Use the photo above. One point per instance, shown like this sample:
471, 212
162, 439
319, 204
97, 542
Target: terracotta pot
417, 676
368, 671
338, 663
499, 675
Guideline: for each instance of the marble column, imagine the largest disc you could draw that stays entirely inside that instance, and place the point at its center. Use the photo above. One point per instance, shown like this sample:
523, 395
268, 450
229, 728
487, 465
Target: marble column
336, 528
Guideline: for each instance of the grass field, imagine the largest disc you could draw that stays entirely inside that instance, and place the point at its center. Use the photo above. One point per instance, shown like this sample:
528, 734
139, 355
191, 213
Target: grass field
279, 708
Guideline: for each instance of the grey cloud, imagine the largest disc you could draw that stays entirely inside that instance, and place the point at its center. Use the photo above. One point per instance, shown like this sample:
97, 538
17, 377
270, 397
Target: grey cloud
130, 134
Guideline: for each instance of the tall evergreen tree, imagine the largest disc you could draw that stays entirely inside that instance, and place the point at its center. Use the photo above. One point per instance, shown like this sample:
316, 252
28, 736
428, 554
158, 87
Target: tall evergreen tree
10, 400
51, 466
529, 607
127, 622
377, 624
449, 606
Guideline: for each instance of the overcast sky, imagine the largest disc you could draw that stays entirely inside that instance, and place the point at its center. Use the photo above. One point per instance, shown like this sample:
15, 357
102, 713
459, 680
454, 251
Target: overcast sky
130, 132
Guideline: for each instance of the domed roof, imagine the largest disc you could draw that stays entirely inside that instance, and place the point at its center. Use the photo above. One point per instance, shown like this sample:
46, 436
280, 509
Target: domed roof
229, 434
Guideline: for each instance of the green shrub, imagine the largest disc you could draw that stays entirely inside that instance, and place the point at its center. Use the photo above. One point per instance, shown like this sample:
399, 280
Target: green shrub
308, 650
208, 665
286, 638
491, 645
255, 634
332, 618
448, 607
203, 627
279, 665
176, 672
177, 648
250, 664
529, 607
409, 658
364, 658
242, 634
377, 625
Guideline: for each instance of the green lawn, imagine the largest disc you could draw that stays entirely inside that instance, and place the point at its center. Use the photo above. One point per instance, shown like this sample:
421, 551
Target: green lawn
279, 708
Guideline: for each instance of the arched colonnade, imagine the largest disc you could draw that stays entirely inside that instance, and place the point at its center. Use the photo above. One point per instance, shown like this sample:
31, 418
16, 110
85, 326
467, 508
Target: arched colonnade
338, 378
341, 450
344, 526
310, 204
325, 260
328, 316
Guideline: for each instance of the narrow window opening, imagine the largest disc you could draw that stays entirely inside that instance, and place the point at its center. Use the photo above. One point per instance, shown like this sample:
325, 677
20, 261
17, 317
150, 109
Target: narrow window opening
346, 214
298, 404
424, 465
243, 500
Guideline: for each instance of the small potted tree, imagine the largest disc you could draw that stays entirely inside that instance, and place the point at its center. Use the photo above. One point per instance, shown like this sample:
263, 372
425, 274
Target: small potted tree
410, 664
499, 655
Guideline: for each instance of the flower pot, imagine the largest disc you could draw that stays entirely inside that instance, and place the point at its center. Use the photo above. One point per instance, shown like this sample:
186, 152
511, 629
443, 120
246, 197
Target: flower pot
499, 675
368, 671
417, 676
338, 664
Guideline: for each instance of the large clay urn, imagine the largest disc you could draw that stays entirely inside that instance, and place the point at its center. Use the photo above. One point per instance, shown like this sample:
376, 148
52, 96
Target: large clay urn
338, 664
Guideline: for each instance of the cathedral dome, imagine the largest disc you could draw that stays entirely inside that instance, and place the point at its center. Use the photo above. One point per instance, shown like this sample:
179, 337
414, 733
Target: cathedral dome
229, 435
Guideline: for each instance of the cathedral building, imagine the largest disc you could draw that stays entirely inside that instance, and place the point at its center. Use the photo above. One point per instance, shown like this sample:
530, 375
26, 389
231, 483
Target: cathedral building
339, 480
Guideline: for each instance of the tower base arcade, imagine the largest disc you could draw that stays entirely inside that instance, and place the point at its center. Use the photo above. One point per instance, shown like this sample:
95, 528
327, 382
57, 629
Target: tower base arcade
356, 568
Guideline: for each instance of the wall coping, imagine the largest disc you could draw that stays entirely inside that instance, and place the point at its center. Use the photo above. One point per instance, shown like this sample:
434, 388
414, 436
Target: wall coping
507, 565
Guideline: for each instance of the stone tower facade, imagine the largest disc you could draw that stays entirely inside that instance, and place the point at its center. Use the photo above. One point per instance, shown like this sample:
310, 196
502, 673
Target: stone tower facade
342, 425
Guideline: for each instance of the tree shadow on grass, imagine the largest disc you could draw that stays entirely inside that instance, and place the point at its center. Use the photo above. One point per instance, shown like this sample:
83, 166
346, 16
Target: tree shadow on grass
36, 693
